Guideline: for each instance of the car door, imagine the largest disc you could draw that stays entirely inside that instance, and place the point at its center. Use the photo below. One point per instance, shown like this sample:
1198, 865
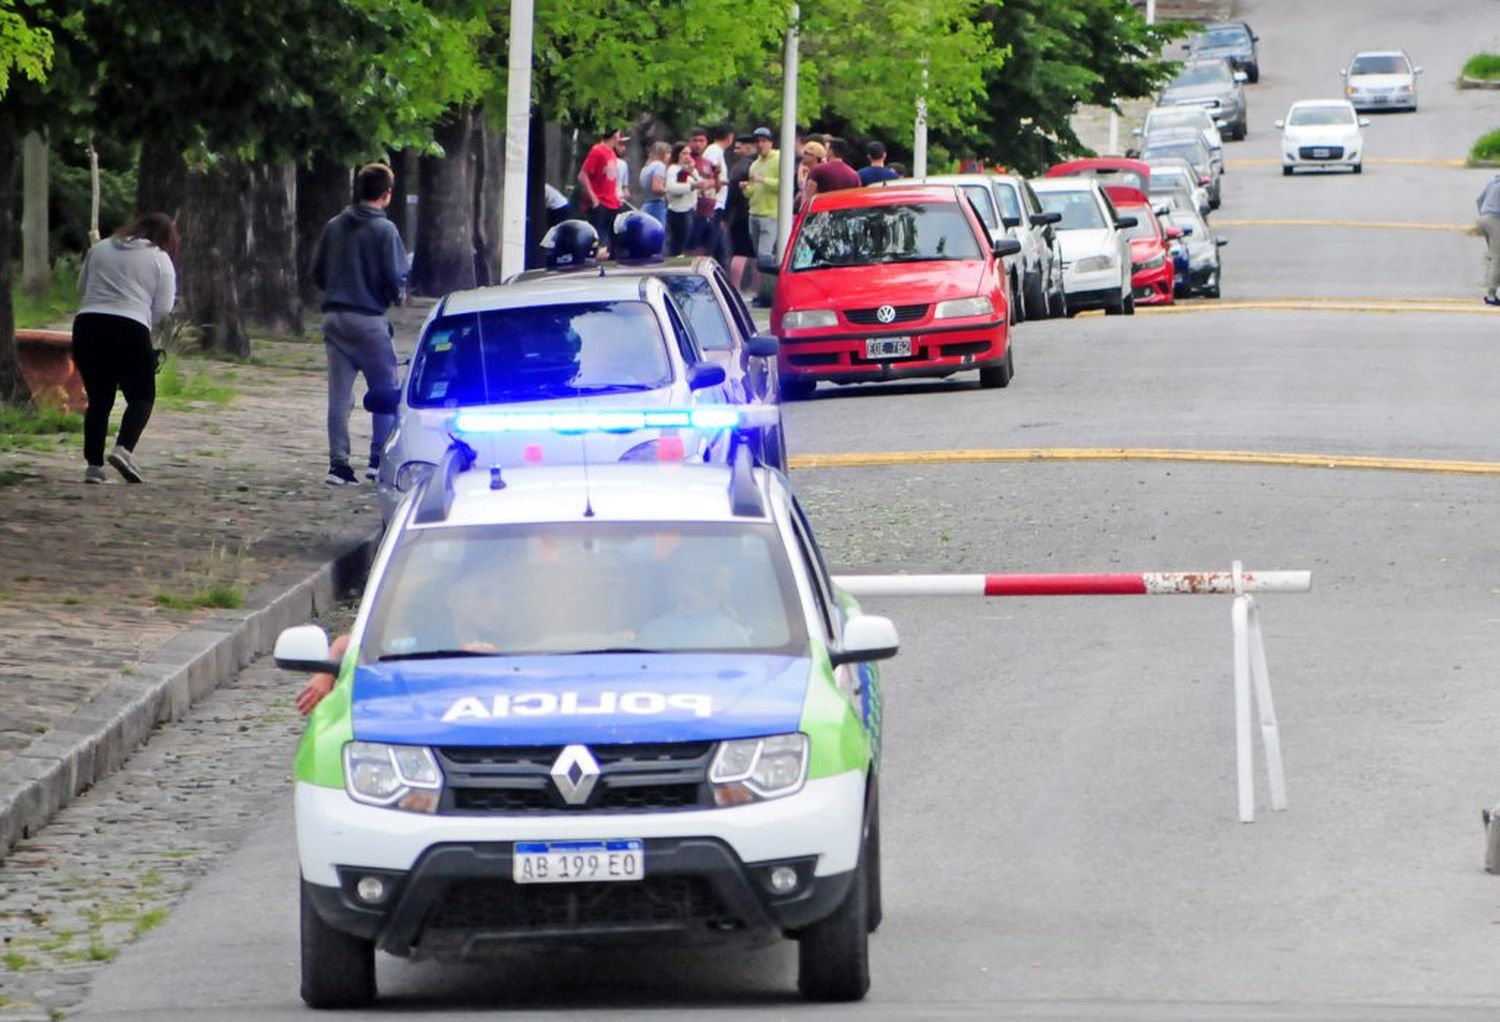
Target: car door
759, 372
1121, 243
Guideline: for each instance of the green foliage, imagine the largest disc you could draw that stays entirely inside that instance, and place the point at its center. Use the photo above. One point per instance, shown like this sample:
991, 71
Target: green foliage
176, 388
1486, 149
25, 49
59, 303
1483, 65
1063, 53
222, 595
26, 422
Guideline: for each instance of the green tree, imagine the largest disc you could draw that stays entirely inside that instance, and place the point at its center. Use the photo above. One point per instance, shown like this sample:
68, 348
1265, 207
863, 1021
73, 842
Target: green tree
1062, 53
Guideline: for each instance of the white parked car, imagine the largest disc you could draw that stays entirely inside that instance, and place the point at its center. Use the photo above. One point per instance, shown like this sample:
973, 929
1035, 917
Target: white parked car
1164, 119
1322, 133
1095, 251
1175, 174
1381, 80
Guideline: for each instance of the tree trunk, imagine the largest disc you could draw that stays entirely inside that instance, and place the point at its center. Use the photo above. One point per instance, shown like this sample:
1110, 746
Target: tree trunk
323, 188
213, 256
161, 183
36, 266
445, 226
489, 182
271, 297
13, 388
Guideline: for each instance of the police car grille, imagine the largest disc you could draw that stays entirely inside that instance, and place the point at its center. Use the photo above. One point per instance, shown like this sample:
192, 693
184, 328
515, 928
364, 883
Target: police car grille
869, 317
632, 778
501, 905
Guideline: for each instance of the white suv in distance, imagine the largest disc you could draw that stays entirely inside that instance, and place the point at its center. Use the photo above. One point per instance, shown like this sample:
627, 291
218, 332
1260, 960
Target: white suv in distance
1381, 80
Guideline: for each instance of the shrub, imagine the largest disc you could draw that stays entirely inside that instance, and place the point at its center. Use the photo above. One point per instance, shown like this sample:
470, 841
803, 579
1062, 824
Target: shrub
1483, 65
1487, 149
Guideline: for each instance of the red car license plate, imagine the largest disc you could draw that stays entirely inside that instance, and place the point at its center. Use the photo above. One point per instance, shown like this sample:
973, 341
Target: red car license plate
888, 347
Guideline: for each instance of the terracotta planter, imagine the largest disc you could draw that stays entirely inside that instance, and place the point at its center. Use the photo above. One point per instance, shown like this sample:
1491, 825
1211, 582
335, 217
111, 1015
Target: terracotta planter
47, 363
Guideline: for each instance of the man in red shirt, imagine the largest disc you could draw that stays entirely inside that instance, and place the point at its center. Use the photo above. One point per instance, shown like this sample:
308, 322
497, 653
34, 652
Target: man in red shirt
599, 188
833, 174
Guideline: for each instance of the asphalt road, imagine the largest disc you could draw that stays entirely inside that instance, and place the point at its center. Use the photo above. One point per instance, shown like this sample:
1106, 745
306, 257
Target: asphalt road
1060, 838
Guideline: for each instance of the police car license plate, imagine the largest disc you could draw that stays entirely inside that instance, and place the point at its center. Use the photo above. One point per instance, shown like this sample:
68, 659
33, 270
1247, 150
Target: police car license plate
888, 347
577, 862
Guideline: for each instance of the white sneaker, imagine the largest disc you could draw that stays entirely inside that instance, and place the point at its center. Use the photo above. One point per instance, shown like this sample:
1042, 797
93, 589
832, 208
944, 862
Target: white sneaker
124, 464
95, 474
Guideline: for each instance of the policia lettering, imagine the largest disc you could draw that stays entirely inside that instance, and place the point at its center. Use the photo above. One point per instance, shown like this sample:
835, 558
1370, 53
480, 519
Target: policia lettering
544, 704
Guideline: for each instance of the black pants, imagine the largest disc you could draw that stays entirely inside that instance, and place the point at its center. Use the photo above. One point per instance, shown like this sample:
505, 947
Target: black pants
679, 231
113, 353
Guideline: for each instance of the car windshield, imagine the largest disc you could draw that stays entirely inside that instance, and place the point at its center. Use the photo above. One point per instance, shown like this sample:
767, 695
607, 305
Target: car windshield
1080, 210
1202, 74
871, 235
1379, 64
1187, 150
539, 352
577, 588
1320, 115
1009, 205
1145, 222
1224, 35
695, 297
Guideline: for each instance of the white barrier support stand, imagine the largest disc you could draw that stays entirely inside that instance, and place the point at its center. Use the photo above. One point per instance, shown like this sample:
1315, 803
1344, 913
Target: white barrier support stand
1252, 681
1252, 687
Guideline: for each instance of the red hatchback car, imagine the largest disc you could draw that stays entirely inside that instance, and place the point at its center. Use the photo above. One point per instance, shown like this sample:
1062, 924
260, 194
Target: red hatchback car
1151, 271
889, 283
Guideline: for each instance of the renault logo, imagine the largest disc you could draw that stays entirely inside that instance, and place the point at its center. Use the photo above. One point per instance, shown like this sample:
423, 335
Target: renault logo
886, 314
575, 773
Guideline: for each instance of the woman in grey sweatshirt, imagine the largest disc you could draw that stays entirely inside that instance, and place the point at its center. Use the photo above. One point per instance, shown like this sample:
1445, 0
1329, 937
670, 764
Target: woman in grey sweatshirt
127, 286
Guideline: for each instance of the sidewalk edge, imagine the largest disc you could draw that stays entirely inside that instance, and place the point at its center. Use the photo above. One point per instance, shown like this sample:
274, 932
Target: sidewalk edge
96, 739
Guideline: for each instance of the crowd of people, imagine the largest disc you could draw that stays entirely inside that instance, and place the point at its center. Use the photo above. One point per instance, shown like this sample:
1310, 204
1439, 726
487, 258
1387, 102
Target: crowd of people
718, 193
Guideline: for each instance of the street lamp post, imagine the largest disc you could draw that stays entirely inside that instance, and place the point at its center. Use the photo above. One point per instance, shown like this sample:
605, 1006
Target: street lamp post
517, 141
788, 137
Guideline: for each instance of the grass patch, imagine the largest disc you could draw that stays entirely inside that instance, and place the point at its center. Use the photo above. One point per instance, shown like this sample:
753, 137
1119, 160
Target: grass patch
148, 921
1483, 65
1486, 148
101, 953
42, 421
11, 477
221, 595
15, 961
176, 388
57, 304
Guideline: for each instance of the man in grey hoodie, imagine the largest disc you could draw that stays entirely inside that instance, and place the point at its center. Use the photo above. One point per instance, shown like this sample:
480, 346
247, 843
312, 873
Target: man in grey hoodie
1489, 228
360, 266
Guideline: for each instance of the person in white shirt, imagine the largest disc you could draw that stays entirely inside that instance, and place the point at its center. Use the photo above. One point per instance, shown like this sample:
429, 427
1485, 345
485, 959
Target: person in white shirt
682, 188
722, 141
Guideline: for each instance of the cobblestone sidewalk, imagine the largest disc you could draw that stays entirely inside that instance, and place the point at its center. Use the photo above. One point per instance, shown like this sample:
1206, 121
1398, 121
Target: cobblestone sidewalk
94, 579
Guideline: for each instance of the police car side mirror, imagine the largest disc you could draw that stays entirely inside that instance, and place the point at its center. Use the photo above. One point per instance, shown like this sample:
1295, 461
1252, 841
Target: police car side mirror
866, 637
705, 374
304, 648
762, 346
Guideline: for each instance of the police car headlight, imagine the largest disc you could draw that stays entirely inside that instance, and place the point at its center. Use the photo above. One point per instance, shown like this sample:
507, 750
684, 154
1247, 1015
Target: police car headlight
752, 769
808, 319
954, 308
394, 776
412, 473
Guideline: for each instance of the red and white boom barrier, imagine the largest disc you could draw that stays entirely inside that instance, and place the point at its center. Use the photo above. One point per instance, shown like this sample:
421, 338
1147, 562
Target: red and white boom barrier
1252, 682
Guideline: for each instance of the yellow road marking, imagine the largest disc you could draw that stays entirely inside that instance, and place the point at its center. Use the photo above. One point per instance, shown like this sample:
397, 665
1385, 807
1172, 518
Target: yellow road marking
1383, 225
879, 459
1388, 161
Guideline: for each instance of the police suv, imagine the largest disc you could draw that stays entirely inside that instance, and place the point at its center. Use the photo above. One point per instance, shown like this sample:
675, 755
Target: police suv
592, 704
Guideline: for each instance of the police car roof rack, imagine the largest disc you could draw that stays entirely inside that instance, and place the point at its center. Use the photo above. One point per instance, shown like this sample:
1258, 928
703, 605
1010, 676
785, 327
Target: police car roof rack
437, 495
744, 495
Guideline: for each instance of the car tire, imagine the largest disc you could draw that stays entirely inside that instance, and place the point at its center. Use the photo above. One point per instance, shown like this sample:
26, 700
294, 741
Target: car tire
992, 377
833, 954
1035, 299
794, 388
338, 969
1130, 305
1240, 131
1286, 170
875, 910
1057, 301
1213, 291
1017, 301
1115, 308
1252, 72
1359, 168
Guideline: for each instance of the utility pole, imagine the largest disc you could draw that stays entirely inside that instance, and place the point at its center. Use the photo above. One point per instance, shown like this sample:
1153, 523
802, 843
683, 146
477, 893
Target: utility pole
919, 141
788, 137
517, 141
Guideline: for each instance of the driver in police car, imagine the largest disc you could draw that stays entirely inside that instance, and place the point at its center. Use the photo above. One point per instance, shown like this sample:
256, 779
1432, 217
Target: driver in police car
472, 616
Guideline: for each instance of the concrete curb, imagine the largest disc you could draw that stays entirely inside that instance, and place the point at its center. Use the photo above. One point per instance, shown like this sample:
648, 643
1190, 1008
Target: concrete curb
98, 738
1465, 82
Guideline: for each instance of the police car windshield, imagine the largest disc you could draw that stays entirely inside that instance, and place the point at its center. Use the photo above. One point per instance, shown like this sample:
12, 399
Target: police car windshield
579, 588
538, 353
906, 233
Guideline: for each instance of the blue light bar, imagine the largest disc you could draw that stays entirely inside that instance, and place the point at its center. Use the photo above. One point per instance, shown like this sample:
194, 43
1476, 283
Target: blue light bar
705, 419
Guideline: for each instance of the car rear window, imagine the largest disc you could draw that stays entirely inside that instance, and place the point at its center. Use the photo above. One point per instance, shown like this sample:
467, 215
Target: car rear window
873, 235
538, 353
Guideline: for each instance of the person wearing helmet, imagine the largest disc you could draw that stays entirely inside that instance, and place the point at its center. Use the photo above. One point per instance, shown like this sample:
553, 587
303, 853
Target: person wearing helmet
639, 238
571, 245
